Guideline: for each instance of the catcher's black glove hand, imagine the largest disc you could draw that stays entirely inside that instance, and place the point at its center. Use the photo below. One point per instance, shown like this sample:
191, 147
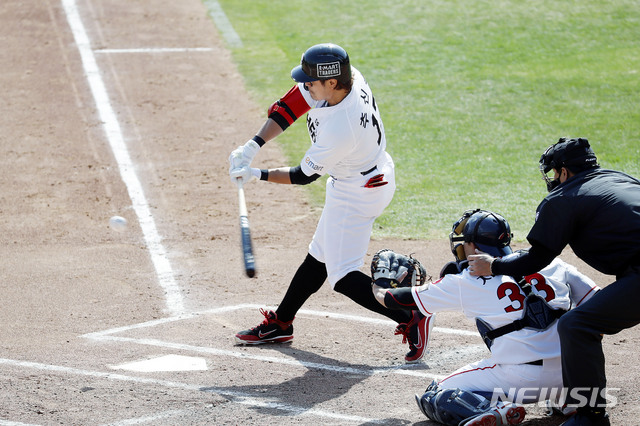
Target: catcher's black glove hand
390, 270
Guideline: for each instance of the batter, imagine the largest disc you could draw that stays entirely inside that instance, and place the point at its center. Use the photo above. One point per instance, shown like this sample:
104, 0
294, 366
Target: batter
348, 143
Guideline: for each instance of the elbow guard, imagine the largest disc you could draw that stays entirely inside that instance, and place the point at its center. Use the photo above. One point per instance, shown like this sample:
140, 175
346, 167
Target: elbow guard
400, 298
289, 108
297, 176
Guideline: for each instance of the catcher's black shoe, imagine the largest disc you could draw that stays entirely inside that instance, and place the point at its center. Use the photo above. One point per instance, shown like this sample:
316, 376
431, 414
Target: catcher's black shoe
271, 330
588, 419
417, 333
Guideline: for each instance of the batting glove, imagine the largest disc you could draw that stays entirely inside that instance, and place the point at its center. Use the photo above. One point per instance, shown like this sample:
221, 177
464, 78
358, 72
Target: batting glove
243, 155
245, 174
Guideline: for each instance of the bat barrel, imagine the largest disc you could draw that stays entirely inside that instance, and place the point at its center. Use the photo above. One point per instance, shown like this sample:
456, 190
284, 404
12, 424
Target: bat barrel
247, 247
245, 234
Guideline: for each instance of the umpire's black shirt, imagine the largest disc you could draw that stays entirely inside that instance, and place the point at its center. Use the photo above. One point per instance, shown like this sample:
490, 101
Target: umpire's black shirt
596, 212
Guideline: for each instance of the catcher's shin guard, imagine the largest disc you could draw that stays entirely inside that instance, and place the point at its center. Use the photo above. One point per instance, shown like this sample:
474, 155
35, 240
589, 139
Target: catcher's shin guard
451, 406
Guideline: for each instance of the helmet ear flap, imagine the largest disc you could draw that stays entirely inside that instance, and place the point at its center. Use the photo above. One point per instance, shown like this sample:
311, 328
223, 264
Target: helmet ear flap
459, 226
456, 235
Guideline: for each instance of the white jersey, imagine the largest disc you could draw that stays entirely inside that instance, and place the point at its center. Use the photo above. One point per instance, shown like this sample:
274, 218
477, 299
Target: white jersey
499, 301
347, 138
348, 143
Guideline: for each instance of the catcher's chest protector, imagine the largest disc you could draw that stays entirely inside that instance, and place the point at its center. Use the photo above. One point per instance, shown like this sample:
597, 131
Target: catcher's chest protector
537, 315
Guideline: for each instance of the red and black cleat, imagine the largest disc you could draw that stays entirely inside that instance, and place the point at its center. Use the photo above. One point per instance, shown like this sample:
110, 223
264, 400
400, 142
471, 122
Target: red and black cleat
271, 330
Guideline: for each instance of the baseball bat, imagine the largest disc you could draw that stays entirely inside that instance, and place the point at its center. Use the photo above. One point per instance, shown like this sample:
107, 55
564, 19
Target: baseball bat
245, 234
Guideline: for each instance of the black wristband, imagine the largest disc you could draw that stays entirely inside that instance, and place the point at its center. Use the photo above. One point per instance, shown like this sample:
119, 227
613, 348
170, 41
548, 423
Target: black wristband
264, 174
258, 140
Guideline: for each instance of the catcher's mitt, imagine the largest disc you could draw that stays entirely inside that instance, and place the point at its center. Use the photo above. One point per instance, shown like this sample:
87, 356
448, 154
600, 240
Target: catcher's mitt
390, 270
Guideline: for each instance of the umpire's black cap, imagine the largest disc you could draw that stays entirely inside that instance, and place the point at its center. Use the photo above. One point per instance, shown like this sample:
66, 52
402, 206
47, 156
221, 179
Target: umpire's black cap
575, 154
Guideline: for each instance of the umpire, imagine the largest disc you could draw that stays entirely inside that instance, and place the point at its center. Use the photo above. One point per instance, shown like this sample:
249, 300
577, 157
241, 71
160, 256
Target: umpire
597, 213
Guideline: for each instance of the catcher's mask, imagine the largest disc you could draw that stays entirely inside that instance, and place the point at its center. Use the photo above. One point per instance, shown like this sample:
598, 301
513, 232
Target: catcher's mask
573, 154
487, 230
322, 62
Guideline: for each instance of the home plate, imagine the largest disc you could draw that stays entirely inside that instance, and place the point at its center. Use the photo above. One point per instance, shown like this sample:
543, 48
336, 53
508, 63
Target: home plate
165, 363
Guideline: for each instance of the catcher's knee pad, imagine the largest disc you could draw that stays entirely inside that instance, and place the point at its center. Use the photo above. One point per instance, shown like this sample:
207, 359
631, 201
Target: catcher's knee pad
452, 406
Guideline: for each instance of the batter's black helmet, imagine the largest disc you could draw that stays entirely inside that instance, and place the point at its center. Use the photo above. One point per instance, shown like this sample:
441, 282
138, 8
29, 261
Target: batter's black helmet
487, 230
322, 62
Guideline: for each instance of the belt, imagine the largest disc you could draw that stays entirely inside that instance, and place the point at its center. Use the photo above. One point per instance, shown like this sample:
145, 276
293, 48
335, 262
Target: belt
536, 362
369, 171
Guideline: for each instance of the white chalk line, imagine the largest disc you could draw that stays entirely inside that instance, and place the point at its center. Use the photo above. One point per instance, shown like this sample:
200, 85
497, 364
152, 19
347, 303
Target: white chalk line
10, 423
223, 24
157, 50
405, 369
242, 306
234, 396
114, 135
149, 419
365, 372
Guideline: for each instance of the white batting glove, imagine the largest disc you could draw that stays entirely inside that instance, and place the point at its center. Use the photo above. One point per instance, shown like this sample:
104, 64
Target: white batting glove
243, 155
245, 174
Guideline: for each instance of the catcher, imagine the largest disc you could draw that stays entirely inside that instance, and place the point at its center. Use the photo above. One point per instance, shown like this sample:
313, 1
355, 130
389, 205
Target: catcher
516, 317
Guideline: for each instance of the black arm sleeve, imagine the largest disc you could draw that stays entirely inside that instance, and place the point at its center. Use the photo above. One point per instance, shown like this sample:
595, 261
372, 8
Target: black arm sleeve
298, 177
400, 298
525, 263
278, 118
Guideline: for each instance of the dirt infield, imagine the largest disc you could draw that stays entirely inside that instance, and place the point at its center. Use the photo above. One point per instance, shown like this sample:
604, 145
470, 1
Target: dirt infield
106, 327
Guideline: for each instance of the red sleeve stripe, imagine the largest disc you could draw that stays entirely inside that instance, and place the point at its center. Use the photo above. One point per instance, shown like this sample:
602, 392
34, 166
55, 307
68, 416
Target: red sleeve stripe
490, 367
390, 298
414, 290
588, 293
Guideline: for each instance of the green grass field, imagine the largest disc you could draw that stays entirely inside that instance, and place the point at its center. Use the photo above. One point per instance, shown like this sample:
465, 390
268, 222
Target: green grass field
471, 92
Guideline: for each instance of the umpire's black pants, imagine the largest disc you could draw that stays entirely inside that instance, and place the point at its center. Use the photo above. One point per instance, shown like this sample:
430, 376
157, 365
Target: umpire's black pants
611, 310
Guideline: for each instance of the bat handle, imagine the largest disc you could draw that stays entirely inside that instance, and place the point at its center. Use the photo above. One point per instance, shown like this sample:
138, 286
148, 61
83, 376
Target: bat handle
241, 199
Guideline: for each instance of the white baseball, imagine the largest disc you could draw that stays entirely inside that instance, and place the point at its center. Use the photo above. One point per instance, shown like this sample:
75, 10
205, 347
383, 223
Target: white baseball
118, 223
